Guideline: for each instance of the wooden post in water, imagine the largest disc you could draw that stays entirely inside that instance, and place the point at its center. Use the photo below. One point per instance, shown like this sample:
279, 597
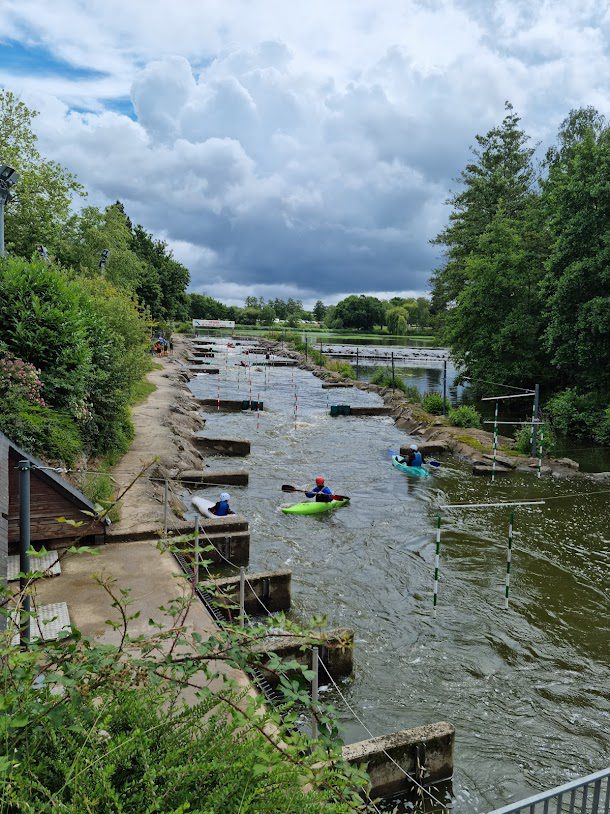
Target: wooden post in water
509, 557
437, 560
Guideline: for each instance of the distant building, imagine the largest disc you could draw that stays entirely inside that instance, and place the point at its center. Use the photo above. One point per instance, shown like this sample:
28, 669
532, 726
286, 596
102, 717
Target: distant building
51, 496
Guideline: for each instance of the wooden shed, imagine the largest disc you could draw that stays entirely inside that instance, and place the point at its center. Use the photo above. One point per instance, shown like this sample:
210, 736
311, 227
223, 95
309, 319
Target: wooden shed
51, 496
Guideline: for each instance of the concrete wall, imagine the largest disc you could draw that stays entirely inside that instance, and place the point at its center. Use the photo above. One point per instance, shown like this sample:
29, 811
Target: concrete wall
433, 742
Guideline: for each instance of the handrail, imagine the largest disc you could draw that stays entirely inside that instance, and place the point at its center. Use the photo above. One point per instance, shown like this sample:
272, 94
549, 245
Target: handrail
595, 802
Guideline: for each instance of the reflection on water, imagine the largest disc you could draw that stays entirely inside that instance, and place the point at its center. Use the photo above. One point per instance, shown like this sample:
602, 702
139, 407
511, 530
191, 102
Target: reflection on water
527, 688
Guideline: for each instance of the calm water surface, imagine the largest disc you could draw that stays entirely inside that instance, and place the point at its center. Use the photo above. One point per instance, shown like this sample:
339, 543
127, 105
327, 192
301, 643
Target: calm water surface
527, 689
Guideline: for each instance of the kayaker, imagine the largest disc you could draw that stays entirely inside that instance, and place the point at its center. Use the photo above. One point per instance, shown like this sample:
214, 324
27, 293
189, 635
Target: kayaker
221, 507
321, 492
414, 457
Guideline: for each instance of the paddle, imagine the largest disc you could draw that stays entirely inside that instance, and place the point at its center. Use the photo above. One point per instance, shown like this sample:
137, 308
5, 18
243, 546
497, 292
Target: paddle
392, 452
286, 487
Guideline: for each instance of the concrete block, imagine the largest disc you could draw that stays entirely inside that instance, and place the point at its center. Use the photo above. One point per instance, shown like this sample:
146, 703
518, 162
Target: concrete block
485, 469
500, 459
336, 650
237, 477
230, 405
202, 369
222, 446
329, 385
264, 591
432, 744
368, 411
227, 548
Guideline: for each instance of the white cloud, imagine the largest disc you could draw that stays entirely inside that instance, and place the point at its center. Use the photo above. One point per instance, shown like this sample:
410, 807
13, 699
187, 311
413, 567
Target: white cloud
304, 151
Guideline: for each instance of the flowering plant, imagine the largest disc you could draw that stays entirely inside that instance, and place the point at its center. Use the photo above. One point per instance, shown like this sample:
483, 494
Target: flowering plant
20, 380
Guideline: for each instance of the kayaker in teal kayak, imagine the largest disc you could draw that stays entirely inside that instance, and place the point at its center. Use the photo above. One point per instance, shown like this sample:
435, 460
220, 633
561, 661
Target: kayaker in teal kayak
321, 492
414, 458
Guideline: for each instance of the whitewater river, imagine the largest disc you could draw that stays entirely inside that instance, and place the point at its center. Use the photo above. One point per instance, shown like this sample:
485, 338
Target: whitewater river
527, 689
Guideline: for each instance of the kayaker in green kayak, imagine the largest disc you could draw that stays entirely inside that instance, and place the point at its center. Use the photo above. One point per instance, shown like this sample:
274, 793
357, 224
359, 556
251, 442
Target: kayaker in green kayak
321, 492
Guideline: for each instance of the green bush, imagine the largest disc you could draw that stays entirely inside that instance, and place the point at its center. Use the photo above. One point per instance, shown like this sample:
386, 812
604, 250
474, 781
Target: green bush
383, 378
523, 439
41, 430
464, 416
101, 490
412, 393
433, 403
344, 368
572, 413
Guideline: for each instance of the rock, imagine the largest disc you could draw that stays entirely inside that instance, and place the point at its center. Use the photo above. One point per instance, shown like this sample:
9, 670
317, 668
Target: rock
501, 459
569, 463
429, 448
482, 469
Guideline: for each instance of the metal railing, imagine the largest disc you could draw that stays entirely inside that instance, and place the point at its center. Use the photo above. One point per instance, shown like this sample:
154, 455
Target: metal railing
585, 795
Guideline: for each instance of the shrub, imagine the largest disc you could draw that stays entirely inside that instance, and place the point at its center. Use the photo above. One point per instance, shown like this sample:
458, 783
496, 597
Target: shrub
41, 430
412, 393
433, 403
100, 489
464, 416
19, 380
572, 413
523, 439
344, 368
383, 378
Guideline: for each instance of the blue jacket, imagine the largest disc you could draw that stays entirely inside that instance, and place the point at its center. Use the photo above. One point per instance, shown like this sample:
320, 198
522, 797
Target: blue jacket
319, 490
221, 508
418, 459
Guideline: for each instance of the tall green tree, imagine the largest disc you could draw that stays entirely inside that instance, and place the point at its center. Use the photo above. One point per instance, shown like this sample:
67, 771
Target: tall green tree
500, 176
319, 310
495, 328
162, 272
576, 195
45, 190
361, 312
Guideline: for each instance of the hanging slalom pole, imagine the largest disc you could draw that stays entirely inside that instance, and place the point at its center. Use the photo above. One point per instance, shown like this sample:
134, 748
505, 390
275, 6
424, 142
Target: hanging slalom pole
540, 450
509, 557
495, 444
437, 560
218, 394
258, 412
238, 379
296, 408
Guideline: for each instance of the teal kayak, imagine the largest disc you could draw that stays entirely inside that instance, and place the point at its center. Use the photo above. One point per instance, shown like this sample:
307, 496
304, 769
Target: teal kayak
313, 507
413, 471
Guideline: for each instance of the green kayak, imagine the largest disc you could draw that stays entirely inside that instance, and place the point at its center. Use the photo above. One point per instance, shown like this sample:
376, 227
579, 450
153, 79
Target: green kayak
313, 507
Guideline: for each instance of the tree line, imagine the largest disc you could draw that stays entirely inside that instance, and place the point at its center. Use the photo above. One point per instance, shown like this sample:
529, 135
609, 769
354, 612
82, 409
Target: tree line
523, 294
80, 293
357, 312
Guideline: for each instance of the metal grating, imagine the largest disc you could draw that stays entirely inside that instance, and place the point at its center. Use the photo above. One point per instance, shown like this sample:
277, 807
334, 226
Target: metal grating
47, 623
48, 562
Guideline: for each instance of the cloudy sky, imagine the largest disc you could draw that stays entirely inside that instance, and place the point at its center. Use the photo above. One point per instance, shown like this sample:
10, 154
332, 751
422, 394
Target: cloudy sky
289, 149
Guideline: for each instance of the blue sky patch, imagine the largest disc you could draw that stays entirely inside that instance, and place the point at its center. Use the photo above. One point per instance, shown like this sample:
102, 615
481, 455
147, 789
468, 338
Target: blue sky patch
22, 59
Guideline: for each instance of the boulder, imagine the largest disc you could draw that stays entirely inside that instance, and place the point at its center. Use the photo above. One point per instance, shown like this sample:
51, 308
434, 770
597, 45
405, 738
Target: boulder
568, 462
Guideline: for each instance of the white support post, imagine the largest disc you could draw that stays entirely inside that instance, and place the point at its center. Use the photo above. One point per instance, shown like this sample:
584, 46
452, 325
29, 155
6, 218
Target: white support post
509, 557
437, 560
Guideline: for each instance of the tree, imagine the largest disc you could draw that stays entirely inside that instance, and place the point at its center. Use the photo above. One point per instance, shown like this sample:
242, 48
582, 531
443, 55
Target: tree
495, 328
361, 312
203, 307
397, 320
161, 272
501, 176
267, 314
44, 193
577, 283
319, 310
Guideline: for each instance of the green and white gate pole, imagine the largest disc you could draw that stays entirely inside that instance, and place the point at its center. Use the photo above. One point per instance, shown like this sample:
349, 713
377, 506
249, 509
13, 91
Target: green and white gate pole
540, 450
437, 559
509, 557
495, 450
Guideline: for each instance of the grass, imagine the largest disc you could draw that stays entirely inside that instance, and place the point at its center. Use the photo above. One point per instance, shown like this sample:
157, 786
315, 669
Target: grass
142, 391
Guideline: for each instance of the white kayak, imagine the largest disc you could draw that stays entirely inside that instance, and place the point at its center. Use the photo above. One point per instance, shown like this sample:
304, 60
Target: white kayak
203, 506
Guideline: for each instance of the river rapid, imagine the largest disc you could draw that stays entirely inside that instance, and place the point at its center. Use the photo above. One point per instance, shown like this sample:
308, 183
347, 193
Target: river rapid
527, 688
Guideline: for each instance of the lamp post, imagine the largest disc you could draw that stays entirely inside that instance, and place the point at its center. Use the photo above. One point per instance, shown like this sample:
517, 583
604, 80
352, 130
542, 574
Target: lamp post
8, 179
103, 259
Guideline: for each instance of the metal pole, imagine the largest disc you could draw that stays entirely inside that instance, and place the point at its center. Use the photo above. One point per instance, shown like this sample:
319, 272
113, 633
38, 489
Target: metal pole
314, 691
242, 596
357, 362
196, 557
24, 550
165, 505
437, 560
306, 344
493, 470
1, 226
393, 379
536, 410
444, 387
509, 557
